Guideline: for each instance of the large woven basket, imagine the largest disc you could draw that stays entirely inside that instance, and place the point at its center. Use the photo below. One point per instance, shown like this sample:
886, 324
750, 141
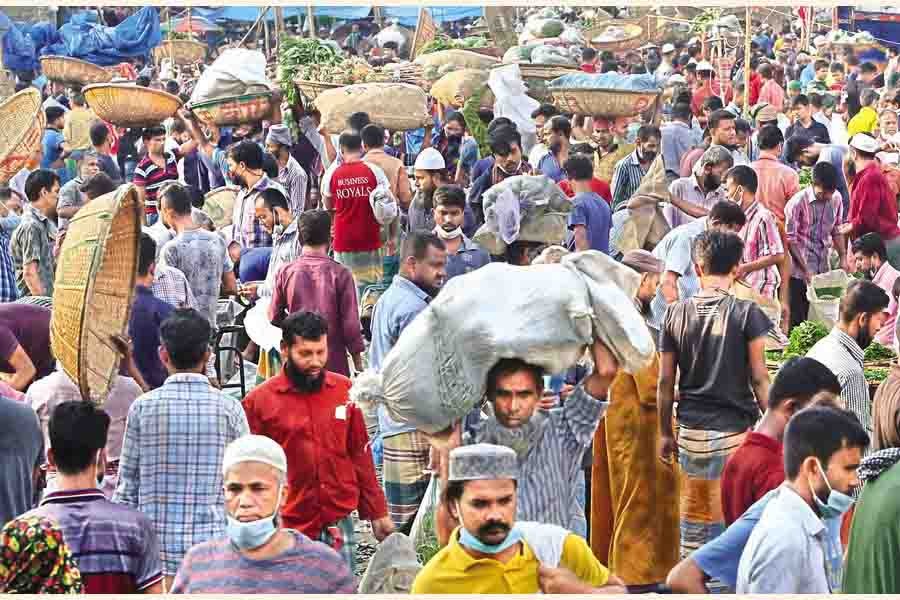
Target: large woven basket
73, 71
182, 52
547, 72
22, 123
605, 103
219, 205
311, 89
634, 36
129, 105
234, 110
94, 288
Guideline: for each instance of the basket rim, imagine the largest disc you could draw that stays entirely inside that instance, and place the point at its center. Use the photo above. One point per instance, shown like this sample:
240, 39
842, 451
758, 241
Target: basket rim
605, 91
30, 91
71, 59
299, 81
170, 41
224, 99
132, 86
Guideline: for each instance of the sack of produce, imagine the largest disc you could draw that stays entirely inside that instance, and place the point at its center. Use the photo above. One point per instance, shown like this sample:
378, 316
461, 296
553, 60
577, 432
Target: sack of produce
547, 228
545, 28
393, 567
436, 371
236, 72
552, 55
824, 295
394, 106
459, 59
519, 54
454, 88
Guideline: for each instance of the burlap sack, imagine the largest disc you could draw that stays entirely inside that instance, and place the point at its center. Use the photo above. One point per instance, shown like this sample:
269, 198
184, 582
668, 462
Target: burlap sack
461, 59
646, 224
395, 106
654, 182
548, 228
453, 89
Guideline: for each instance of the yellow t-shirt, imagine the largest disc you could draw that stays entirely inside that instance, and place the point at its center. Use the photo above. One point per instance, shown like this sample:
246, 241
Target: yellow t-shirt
454, 571
865, 121
77, 129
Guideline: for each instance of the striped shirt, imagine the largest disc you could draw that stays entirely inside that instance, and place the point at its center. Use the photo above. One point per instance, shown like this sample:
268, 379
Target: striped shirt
217, 567
761, 239
151, 177
171, 286
294, 180
285, 249
626, 179
171, 463
675, 250
115, 546
248, 231
9, 291
811, 226
547, 473
843, 356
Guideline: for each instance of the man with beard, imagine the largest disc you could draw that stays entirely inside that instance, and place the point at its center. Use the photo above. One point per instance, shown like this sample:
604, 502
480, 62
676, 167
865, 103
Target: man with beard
291, 175
463, 255
506, 149
609, 150
692, 197
863, 312
631, 170
870, 258
540, 116
807, 153
549, 445
492, 551
305, 409
423, 263
558, 131
430, 172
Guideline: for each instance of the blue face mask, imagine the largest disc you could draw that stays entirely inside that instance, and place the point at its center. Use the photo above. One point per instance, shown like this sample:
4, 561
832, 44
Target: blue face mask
838, 502
473, 543
253, 534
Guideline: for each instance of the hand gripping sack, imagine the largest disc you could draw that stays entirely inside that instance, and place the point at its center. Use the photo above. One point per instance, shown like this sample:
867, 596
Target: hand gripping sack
436, 371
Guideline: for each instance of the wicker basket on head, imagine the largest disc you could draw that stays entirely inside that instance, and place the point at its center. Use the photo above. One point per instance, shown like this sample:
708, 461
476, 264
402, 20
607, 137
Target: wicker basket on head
182, 52
22, 123
219, 205
94, 288
602, 103
234, 110
129, 105
634, 37
311, 89
73, 71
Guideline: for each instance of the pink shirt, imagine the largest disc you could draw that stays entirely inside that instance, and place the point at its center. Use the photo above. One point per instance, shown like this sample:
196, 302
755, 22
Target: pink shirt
885, 278
761, 239
778, 183
772, 93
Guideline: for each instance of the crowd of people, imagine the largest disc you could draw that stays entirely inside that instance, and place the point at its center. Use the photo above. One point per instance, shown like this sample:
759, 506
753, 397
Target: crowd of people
699, 473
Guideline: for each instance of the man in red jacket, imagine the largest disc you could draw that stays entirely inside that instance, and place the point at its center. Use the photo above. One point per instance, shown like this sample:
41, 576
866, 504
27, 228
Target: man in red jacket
330, 471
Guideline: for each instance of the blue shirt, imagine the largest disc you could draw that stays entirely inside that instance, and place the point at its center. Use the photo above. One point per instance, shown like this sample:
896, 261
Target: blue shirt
9, 291
550, 167
482, 166
468, 257
396, 309
593, 212
147, 314
808, 74
720, 558
52, 147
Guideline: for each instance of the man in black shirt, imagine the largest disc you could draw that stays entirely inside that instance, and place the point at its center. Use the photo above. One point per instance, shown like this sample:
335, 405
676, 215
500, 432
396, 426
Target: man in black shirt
804, 125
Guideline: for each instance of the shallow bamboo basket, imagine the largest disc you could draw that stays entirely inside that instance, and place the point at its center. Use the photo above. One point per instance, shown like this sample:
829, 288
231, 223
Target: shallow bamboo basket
219, 205
234, 110
129, 105
182, 52
94, 289
599, 102
73, 71
22, 122
634, 39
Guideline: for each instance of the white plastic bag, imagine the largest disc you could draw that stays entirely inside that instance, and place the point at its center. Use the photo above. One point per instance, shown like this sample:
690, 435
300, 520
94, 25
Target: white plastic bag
384, 205
428, 506
826, 311
511, 101
436, 372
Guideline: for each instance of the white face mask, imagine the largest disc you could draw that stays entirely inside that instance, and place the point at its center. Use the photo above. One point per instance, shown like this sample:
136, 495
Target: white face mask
448, 235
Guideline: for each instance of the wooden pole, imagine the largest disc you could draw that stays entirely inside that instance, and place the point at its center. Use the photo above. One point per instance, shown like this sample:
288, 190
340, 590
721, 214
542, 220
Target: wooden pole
747, 70
252, 27
279, 25
266, 36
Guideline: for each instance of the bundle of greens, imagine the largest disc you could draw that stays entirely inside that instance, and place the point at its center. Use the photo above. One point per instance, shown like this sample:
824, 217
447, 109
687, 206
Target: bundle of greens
443, 42
474, 124
803, 337
876, 374
877, 352
296, 53
805, 177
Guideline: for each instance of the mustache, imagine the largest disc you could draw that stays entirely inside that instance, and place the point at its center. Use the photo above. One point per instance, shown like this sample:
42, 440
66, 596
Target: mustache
493, 527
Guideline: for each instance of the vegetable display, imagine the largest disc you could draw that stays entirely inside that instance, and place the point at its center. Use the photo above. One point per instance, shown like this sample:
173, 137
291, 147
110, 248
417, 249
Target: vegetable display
805, 177
877, 352
446, 43
474, 124
297, 53
803, 337
876, 374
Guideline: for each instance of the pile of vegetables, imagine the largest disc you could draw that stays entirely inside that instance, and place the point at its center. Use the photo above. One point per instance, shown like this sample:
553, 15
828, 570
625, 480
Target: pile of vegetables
444, 42
878, 353
348, 72
295, 54
803, 337
805, 177
432, 74
876, 374
477, 128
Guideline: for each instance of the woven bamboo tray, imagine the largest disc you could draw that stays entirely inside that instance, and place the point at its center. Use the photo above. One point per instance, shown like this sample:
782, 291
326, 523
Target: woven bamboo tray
22, 123
129, 105
182, 52
311, 89
547, 72
94, 289
73, 71
219, 205
234, 110
605, 103
634, 38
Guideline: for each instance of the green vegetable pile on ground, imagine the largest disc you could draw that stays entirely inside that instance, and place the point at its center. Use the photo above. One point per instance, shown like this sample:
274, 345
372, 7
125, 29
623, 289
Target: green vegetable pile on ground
876, 374
444, 42
803, 337
805, 177
296, 53
876, 352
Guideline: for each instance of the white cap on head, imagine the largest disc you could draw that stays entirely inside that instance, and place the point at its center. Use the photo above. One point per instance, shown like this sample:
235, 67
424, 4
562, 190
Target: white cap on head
430, 159
865, 143
668, 48
704, 66
675, 79
254, 448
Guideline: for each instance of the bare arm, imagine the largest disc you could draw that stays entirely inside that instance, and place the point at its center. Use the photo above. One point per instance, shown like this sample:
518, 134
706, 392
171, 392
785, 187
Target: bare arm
665, 397
689, 208
581, 240
229, 283
330, 152
197, 135
687, 578
760, 264
23, 369
33, 279
759, 374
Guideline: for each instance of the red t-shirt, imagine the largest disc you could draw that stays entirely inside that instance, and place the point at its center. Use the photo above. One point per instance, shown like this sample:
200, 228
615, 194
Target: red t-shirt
588, 68
756, 468
355, 227
598, 186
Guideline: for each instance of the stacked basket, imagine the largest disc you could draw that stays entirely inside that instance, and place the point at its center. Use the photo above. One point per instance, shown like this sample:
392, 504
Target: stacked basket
94, 287
181, 52
129, 105
73, 71
22, 123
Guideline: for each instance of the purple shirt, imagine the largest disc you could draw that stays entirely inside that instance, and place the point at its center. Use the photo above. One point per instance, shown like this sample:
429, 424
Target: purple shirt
317, 283
26, 325
811, 225
217, 567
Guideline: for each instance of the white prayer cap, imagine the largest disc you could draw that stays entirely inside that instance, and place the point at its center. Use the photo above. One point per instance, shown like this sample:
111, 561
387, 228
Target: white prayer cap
430, 159
254, 448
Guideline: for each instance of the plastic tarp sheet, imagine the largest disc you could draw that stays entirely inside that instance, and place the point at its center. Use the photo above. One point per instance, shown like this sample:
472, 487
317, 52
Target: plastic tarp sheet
409, 15
82, 37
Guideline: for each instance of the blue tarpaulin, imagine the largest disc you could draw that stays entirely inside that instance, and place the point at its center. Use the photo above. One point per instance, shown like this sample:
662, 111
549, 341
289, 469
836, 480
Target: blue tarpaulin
405, 15
408, 16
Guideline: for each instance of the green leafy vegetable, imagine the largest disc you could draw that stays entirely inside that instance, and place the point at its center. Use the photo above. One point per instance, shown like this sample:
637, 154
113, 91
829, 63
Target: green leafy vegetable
444, 42
805, 177
876, 374
876, 351
474, 124
295, 53
803, 337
